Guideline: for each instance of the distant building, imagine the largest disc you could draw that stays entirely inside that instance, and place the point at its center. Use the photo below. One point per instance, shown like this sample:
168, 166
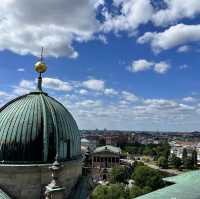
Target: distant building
98, 162
178, 146
106, 156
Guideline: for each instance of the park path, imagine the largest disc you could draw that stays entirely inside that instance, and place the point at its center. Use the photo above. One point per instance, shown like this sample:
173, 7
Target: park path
170, 171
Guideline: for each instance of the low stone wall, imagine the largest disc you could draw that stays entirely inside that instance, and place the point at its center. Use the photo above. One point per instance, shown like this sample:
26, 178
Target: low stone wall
29, 181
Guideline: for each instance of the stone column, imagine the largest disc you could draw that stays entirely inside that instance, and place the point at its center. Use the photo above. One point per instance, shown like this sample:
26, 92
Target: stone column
54, 190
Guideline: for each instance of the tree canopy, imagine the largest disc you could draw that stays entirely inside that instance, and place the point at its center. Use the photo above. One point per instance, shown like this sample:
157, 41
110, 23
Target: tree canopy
194, 158
136, 191
118, 174
163, 162
113, 191
147, 177
185, 154
176, 162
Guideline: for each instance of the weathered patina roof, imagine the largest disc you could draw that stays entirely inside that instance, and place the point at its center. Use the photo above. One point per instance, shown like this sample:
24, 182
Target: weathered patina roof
34, 128
3, 195
186, 187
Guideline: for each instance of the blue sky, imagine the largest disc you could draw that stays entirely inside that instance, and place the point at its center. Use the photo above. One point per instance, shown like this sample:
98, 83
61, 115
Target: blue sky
131, 64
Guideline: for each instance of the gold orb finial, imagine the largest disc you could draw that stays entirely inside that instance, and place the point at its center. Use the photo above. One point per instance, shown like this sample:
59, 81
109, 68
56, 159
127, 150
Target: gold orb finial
40, 67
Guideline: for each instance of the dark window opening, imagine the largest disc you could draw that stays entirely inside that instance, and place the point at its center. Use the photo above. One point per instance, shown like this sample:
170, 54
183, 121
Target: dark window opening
68, 149
52, 149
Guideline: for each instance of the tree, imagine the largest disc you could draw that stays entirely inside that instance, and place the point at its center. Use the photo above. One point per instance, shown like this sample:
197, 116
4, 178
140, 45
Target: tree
163, 162
102, 142
113, 191
194, 158
100, 192
147, 190
176, 161
165, 150
146, 176
148, 151
188, 163
184, 155
136, 191
138, 164
118, 174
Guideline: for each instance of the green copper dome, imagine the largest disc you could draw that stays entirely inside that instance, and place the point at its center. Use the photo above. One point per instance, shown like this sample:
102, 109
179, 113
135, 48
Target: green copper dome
36, 128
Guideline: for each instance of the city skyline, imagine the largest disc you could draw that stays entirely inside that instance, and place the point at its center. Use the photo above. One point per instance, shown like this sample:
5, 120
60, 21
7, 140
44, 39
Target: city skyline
127, 65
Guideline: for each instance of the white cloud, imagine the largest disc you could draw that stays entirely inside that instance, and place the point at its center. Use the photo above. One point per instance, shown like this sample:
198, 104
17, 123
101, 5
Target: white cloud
3, 94
185, 107
56, 25
56, 84
132, 15
94, 111
177, 35
128, 15
89, 103
83, 92
103, 39
184, 66
20, 91
161, 67
183, 49
20, 69
24, 87
147, 114
52, 24
130, 97
94, 84
143, 65
161, 103
27, 84
5, 97
189, 99
110, 91
176, 10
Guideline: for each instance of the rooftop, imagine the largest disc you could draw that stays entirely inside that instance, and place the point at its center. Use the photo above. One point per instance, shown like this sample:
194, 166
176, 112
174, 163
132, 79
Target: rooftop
186, 187
3, 195
84, 140
107, 148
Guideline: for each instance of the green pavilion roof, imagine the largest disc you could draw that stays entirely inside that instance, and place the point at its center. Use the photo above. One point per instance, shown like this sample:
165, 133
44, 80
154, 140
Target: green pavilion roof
109, 148
186, 187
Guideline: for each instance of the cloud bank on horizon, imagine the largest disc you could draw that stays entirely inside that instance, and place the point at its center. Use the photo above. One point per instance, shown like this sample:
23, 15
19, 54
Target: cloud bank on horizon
96, 105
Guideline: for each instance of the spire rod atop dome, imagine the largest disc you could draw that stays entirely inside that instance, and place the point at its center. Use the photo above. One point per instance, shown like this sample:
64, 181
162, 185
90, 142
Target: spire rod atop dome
41, 56
40, 67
